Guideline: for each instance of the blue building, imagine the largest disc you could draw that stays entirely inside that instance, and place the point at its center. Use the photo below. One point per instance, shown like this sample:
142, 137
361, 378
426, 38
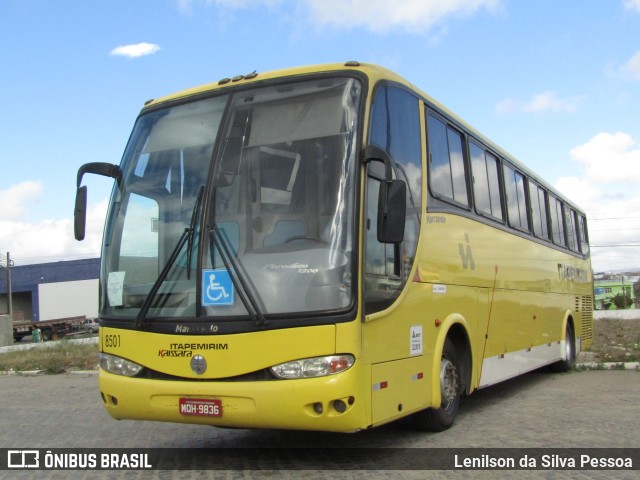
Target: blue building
43, 291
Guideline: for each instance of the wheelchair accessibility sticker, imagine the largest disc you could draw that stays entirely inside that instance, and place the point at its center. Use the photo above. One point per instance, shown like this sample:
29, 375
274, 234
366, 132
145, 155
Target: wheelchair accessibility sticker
217, 288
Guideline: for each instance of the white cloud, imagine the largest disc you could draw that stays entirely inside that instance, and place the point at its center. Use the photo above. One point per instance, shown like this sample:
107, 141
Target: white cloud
135, 50
48, 240
614, 226
632, 5
549, 101
508, 106
15, 199
374, 15
610, 157
632, 68
606, 189
186, 6
542, 102
581, 191
384, 15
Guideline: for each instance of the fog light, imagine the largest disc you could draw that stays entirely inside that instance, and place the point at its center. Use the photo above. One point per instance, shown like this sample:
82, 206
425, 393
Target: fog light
317, 407
340, 406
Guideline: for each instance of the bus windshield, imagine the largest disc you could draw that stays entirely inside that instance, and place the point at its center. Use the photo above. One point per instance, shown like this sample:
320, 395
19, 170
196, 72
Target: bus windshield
235, 205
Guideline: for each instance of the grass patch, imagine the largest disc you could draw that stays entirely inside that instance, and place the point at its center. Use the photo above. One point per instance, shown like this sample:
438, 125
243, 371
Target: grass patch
614, 341
52, 358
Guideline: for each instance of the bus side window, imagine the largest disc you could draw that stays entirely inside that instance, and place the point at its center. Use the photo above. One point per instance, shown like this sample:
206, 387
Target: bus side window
486, 182
516, 201
572, 229
584, 235
447, 172
557, 222
538, 200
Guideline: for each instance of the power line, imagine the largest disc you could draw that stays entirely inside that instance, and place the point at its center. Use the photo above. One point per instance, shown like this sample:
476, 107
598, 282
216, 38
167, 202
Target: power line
615, 245
612, 218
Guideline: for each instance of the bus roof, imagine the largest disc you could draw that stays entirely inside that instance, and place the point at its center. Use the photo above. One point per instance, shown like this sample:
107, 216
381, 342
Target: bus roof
375, 73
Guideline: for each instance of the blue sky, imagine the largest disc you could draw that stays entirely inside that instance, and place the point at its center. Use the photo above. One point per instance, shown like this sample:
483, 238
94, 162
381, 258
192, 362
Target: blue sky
556, 83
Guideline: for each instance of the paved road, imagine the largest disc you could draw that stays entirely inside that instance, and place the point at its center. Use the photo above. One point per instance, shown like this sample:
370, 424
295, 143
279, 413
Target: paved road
539, 410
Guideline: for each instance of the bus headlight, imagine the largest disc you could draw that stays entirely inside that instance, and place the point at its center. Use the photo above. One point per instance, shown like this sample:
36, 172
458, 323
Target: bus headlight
119, 365
313, 367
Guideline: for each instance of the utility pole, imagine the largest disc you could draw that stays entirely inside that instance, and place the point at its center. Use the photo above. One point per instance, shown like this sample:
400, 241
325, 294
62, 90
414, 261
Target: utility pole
9, 265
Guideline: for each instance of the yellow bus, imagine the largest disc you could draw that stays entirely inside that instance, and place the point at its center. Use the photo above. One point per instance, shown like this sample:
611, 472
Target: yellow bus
326, 248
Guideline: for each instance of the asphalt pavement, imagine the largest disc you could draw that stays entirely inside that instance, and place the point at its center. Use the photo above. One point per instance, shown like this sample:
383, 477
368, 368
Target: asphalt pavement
579, 410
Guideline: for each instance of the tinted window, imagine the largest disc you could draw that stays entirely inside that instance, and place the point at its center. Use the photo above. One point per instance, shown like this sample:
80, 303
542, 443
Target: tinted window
447, 176
584, 236
572, 228
486, 184
557, 224
538, 199
516, 201
395, 127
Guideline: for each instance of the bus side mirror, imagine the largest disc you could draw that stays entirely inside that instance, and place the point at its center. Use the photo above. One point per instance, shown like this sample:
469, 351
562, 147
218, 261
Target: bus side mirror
80, 210
392, 211
80, 213
392, 198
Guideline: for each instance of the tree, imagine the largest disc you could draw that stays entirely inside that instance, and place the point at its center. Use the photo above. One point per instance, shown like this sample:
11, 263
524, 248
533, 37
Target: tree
622, 300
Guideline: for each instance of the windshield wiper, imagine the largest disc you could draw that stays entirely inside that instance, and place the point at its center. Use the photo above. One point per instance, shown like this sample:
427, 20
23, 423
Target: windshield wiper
238, 277
186, 237
192, 228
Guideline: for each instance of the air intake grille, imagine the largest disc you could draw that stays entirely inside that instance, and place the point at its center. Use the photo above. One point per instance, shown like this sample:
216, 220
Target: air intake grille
584, 308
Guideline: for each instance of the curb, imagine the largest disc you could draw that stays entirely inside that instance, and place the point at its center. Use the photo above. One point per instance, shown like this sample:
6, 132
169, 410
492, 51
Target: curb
609, 366
35, 373
51, 343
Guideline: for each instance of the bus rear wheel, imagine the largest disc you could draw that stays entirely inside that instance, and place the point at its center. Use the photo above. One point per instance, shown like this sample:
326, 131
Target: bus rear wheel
439, 419
569, 352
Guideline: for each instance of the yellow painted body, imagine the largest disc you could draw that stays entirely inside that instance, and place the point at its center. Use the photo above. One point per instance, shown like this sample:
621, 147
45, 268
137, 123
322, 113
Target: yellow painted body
252, 404
513, 296
507, 293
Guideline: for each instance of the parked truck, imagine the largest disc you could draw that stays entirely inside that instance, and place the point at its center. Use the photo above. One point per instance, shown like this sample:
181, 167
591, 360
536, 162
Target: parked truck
49, 329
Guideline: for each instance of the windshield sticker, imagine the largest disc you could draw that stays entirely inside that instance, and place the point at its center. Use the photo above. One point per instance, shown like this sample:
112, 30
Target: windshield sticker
217, 288
301, 267
115, 283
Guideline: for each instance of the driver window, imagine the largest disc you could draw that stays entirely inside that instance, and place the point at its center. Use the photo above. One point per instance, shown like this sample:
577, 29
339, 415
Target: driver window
395, 127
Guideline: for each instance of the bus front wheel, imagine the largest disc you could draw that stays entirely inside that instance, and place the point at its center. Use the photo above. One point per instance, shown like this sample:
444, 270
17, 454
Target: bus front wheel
439, 419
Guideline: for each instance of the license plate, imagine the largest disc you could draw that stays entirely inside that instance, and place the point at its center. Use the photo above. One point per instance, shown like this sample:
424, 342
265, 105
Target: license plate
200, 407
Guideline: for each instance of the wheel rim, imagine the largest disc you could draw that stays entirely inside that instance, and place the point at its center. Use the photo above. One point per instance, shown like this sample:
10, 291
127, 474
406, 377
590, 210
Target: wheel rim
448, 382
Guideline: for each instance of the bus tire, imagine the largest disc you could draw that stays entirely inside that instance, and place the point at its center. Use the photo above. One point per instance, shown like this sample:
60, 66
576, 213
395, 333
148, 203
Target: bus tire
569, 351
439, 419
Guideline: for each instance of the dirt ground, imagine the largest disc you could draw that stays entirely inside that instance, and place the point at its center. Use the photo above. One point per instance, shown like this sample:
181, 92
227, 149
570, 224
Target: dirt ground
616, 340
